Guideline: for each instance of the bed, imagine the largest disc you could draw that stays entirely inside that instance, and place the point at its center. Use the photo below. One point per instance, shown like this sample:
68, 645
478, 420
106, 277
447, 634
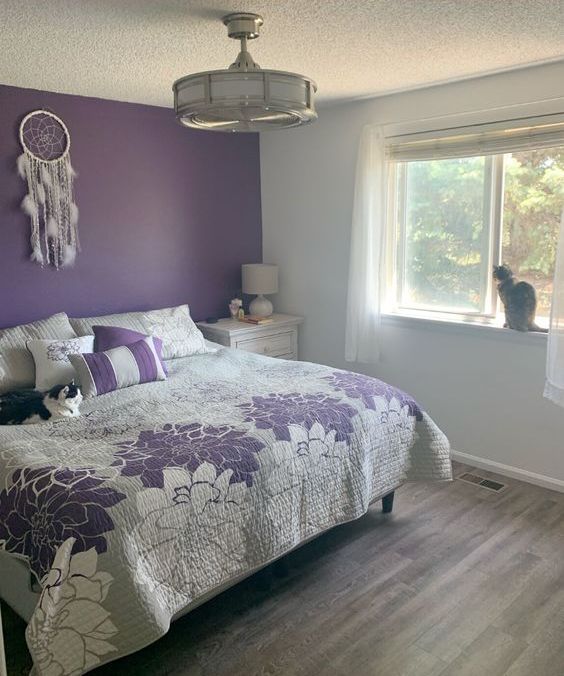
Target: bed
162, 495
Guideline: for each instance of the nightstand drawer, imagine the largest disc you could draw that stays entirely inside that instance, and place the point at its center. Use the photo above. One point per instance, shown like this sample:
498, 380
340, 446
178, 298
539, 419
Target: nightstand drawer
272, 345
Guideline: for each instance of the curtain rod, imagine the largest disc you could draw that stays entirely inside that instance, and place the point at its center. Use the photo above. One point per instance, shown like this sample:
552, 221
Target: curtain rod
476, 124
476, 112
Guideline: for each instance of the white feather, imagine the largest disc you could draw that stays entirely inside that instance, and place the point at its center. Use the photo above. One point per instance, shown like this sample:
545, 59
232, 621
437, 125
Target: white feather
69, 256
40, 191
37, 256
52, 228
73, 214
46, 178
29, 206
71, 170
22, 163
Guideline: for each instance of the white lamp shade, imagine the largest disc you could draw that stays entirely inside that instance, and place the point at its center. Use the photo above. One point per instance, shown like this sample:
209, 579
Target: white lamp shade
259, 278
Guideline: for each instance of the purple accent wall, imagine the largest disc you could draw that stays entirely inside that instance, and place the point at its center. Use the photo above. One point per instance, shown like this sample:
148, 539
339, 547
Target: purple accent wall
167, 214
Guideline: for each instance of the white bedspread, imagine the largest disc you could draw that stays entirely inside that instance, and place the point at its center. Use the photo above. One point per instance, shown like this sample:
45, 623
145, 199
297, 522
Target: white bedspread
163, 492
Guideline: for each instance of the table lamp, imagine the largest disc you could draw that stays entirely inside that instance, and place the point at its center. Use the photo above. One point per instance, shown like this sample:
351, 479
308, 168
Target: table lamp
260, 279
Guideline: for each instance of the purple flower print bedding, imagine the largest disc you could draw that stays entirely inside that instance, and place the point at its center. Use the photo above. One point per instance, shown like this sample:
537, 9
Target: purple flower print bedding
160, 493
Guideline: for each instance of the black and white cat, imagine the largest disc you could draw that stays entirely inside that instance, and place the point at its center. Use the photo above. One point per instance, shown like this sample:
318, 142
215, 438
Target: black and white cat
29, 406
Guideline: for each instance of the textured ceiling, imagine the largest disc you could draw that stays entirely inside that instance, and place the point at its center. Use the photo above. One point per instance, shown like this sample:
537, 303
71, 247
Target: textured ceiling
132, 50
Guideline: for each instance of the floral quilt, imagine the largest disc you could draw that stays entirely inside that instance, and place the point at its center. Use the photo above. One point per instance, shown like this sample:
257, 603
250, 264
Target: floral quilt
160, 493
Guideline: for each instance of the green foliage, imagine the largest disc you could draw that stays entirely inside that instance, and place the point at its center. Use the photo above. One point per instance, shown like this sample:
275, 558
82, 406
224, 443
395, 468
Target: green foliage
533, 204
447, 230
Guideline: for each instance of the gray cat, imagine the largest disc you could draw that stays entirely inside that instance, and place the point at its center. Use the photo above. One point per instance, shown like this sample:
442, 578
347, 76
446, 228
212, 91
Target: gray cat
519, 300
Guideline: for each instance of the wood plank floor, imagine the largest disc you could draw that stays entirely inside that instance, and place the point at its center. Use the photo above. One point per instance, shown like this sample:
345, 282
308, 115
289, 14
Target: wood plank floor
456, 581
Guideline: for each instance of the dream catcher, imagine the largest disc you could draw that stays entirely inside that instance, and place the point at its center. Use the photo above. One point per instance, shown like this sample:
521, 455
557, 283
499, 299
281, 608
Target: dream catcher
45, 164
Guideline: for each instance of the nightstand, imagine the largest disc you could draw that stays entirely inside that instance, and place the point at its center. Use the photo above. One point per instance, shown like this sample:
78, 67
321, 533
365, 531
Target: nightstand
278, 338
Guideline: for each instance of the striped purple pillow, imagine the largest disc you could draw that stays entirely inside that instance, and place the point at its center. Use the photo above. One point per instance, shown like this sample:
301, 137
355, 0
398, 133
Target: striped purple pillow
101, 372
107, 337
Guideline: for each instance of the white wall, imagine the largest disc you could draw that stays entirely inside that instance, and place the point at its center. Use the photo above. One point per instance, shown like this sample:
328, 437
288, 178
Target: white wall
482, 386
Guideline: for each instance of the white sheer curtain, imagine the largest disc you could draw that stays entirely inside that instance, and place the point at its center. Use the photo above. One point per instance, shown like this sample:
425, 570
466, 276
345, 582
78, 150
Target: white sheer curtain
366, 271
554, 387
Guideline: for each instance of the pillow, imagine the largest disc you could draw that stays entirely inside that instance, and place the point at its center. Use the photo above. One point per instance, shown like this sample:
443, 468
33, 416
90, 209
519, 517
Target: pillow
133, 364
125, 320
180, 336
107, 337
17, 369
174, 326
51, 357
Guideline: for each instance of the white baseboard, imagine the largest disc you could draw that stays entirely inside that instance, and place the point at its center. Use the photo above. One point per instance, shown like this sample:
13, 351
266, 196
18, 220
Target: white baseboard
509, 471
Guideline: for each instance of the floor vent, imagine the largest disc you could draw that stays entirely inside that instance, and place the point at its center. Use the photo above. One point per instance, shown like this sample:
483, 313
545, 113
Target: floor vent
481, 481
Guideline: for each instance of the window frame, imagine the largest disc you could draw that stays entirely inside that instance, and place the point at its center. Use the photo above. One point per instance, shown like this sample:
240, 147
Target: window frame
396, 240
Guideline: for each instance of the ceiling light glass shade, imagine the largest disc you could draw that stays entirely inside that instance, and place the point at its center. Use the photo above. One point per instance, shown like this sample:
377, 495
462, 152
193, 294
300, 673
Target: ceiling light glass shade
245, 97
227, 100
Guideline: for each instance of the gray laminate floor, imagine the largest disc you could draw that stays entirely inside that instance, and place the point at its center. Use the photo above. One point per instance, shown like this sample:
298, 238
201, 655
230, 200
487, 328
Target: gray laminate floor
457, 581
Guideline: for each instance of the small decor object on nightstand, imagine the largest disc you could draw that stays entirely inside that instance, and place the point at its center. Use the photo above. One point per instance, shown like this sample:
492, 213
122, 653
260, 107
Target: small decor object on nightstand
234, 306
261, 279
255, 319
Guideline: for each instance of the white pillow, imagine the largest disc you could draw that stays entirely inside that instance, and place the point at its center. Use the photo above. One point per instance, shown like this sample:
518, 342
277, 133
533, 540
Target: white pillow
17, 369
174, 326
52, 363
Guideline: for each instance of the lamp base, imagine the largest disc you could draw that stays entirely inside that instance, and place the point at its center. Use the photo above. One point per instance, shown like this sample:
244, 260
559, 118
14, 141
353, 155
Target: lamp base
261, 306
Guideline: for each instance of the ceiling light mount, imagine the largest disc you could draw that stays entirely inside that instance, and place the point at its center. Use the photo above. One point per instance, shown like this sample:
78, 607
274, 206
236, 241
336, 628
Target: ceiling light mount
243, 25
244, 97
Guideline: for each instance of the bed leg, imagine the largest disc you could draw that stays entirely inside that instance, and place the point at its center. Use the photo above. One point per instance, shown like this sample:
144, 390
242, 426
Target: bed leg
388, 503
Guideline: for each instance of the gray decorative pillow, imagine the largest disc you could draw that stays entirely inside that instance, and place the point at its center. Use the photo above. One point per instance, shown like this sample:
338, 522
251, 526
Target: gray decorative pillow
174, 326
125, 320
17, 369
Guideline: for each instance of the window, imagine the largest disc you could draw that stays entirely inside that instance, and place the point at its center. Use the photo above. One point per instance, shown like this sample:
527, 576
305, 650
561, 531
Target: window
453, 218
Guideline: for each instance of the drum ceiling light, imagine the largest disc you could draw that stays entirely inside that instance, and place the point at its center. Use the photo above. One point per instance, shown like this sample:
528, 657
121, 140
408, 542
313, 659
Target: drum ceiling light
244, 97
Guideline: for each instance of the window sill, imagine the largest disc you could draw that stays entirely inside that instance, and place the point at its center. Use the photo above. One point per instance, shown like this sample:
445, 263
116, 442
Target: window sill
477, 328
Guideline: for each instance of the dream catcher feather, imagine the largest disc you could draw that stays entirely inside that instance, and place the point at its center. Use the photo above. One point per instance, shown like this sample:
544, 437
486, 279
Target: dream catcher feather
45, 165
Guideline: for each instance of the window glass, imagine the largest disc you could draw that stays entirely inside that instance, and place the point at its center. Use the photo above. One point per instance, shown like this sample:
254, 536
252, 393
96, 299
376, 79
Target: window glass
533, 202
445, 250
